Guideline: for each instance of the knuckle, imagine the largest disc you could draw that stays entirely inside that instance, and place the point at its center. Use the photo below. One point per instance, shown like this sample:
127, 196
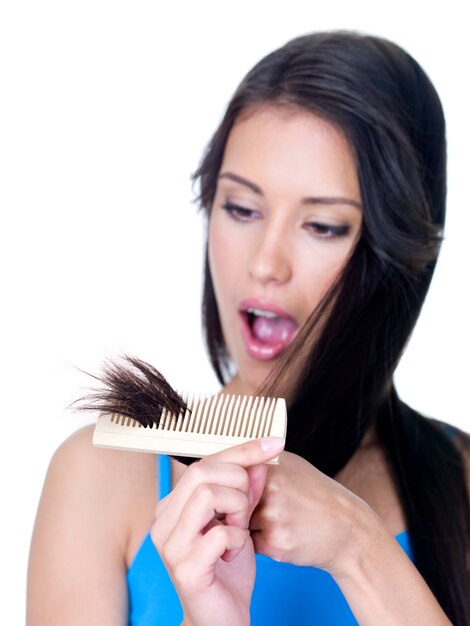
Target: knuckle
269, 543
155, 535
158, 510
239, 505
245, 501
248, 453
274, 486
167, 552
196, 472
279, 540
270, 514
204, 492
243, 479
220, 534
239, 499
181, 573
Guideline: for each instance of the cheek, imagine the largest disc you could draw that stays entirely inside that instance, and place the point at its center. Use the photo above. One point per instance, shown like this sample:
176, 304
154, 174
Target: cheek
220, 264
319, 276
216, 258
225, 274
224, 255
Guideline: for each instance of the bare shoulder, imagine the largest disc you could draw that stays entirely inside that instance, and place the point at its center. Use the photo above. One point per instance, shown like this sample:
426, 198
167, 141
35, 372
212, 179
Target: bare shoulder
94, 505
101, 482
112, 475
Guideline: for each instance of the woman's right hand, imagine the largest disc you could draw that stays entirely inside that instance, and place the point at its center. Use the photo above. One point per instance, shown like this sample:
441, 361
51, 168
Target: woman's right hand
201, 533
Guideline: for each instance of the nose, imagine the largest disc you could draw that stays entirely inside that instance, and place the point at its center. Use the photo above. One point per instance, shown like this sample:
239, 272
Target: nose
270, 261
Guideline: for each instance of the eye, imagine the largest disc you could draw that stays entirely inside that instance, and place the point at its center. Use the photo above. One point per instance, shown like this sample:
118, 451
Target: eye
239, 213
327, 231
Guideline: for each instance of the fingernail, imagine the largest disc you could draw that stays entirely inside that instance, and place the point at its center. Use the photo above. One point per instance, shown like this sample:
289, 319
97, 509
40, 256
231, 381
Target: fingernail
271, 444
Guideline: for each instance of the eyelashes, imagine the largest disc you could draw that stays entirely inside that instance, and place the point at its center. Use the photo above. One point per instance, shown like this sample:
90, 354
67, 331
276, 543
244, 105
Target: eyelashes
239, 213
321, 230
328, 231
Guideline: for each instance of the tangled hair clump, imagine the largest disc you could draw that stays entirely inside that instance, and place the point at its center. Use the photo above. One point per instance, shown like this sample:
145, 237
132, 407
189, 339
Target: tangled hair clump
131, 387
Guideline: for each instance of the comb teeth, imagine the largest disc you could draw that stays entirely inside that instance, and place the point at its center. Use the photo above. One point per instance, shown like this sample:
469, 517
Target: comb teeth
210, 424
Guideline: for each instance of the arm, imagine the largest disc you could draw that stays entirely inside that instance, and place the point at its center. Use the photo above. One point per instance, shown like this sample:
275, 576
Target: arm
77, 567
381, 581
381, 584
307, 518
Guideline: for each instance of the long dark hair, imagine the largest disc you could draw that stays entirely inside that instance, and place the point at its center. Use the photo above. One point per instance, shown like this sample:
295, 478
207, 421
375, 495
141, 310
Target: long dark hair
392, 117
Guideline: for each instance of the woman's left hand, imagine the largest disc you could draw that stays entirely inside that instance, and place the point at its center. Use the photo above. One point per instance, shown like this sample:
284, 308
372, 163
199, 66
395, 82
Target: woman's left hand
306, 518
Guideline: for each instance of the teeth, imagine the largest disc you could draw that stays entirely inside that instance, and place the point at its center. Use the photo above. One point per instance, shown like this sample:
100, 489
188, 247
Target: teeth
261, 313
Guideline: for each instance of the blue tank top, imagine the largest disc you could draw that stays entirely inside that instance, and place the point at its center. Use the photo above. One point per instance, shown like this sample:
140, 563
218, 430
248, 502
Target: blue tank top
283, 593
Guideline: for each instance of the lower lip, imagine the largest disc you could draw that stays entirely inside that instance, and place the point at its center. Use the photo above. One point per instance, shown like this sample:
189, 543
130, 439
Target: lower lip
258, 350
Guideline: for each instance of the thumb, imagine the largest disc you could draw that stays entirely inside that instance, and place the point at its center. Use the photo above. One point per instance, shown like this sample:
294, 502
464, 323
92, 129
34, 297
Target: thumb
251, 452
257, 475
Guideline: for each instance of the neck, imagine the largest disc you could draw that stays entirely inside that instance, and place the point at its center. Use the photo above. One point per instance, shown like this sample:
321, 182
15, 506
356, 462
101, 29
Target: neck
371, 437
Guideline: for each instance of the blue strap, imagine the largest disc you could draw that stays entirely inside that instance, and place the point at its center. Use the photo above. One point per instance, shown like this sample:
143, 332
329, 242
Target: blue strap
164, 475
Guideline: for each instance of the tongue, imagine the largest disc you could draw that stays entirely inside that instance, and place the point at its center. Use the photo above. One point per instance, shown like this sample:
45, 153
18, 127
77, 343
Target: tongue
273, 330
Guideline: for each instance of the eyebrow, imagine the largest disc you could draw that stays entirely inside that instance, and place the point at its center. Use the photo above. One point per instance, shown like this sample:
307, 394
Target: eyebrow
330, 200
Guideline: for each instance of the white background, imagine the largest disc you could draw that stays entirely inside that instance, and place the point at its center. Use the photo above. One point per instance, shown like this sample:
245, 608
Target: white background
105, 109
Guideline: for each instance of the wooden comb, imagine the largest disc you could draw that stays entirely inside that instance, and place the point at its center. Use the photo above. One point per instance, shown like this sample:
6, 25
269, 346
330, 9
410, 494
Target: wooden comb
211, 424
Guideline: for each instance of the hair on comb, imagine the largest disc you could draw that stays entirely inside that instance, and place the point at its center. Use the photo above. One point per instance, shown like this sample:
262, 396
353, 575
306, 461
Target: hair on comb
141, 411
134, 389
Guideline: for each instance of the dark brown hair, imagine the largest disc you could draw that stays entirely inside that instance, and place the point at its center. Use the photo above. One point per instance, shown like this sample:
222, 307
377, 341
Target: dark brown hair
392, 117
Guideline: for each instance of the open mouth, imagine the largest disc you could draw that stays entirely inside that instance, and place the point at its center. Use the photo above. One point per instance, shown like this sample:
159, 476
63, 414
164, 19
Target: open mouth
266, 333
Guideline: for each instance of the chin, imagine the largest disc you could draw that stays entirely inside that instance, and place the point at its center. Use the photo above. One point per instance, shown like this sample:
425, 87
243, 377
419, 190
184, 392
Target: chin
254, 378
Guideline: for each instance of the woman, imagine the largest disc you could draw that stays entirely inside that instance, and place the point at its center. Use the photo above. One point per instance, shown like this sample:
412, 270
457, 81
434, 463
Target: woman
324, 189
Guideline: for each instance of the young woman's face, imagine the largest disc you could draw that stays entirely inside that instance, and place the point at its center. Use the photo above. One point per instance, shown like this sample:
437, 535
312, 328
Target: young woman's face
285, 218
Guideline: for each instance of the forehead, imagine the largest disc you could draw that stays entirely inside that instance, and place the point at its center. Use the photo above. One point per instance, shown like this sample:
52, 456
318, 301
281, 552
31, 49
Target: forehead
279, 146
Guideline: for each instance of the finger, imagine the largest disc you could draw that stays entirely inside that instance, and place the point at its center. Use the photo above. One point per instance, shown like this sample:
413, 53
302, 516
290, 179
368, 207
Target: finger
223, 468
168, 510
257, 476
205, 503
257, 473
197, 517
250, 453
189, 567
230, 555
220, 540
262, 516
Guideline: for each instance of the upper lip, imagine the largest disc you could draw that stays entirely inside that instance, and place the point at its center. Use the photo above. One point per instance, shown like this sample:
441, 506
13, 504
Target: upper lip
263, 305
